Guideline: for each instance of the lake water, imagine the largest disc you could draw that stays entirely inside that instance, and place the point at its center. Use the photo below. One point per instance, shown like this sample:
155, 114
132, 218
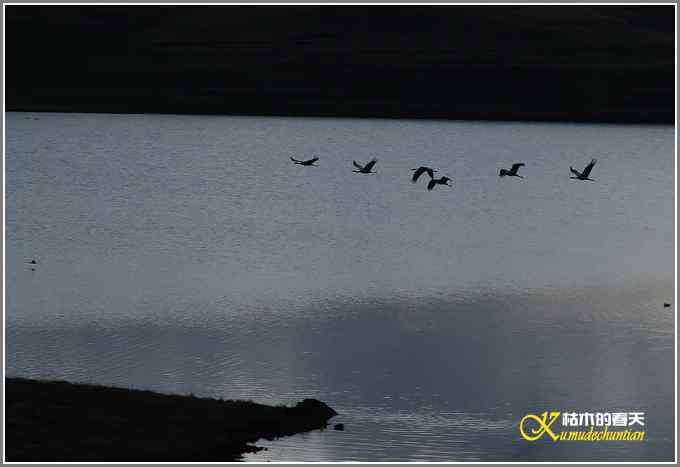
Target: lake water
187, 254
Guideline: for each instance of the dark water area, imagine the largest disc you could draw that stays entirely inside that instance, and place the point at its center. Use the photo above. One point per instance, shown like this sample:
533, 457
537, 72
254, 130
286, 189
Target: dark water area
189, 255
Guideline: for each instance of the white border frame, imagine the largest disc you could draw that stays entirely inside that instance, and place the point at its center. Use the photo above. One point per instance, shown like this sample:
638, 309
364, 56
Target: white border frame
490, 4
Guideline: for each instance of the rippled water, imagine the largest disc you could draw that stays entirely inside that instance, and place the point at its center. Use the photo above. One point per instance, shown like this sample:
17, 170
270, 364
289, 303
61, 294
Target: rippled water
188, 254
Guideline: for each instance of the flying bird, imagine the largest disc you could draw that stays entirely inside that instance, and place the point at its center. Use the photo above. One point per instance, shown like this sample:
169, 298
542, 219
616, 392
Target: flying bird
584, 175
308, 162
421, 170
512, 172
439, 181
366, 169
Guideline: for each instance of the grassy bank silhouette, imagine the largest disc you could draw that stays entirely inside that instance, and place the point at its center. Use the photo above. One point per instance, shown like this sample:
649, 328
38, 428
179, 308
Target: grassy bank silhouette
60, 421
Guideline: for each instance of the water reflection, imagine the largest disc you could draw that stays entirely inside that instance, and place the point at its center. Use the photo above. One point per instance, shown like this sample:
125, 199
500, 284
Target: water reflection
413, 379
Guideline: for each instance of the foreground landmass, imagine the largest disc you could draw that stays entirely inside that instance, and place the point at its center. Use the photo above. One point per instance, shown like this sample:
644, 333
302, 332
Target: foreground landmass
60, 421
546, 63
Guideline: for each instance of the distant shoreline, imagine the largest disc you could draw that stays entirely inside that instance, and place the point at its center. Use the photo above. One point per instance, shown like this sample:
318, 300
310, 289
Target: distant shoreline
53, 421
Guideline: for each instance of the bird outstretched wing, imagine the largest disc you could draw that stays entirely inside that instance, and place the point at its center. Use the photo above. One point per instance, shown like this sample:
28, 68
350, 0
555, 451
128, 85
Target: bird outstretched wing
515, 168
418, 173
575, 172
295, 160
589, 167
431, 185
358, 166
370, 165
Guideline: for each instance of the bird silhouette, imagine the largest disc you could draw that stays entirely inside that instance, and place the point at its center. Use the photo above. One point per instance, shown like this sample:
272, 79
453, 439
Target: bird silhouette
308, 162
439, 181
32, 262
366, 169
421, 170
584, 175
512, 172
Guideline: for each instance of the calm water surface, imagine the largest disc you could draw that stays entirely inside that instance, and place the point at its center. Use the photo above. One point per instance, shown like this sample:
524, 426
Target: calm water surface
188, 254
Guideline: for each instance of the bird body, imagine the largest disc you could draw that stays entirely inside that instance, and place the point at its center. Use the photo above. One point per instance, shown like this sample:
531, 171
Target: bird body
438, 181
365, 169
307, 162
421, 170
512, 172
586, 172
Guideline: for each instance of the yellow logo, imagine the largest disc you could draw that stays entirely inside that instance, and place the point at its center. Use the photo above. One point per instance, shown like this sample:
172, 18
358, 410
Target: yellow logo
544, 422
590, 426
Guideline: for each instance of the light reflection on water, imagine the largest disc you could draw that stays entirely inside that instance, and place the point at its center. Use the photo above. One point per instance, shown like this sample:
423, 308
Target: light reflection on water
431, 381
431, 321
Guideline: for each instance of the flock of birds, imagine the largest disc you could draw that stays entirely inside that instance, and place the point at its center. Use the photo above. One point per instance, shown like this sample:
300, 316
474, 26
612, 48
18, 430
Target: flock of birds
417, 173
513, 172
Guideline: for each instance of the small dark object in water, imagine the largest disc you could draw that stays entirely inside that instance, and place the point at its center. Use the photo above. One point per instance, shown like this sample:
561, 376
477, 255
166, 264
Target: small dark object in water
339, 426
32, 262
32, 269
666, 305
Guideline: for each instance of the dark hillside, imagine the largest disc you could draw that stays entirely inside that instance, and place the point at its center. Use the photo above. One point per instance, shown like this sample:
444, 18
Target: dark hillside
599, 63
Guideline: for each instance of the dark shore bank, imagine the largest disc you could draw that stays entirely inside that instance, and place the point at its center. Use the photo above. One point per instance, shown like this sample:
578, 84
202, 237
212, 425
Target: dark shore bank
59, 421
544, 63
